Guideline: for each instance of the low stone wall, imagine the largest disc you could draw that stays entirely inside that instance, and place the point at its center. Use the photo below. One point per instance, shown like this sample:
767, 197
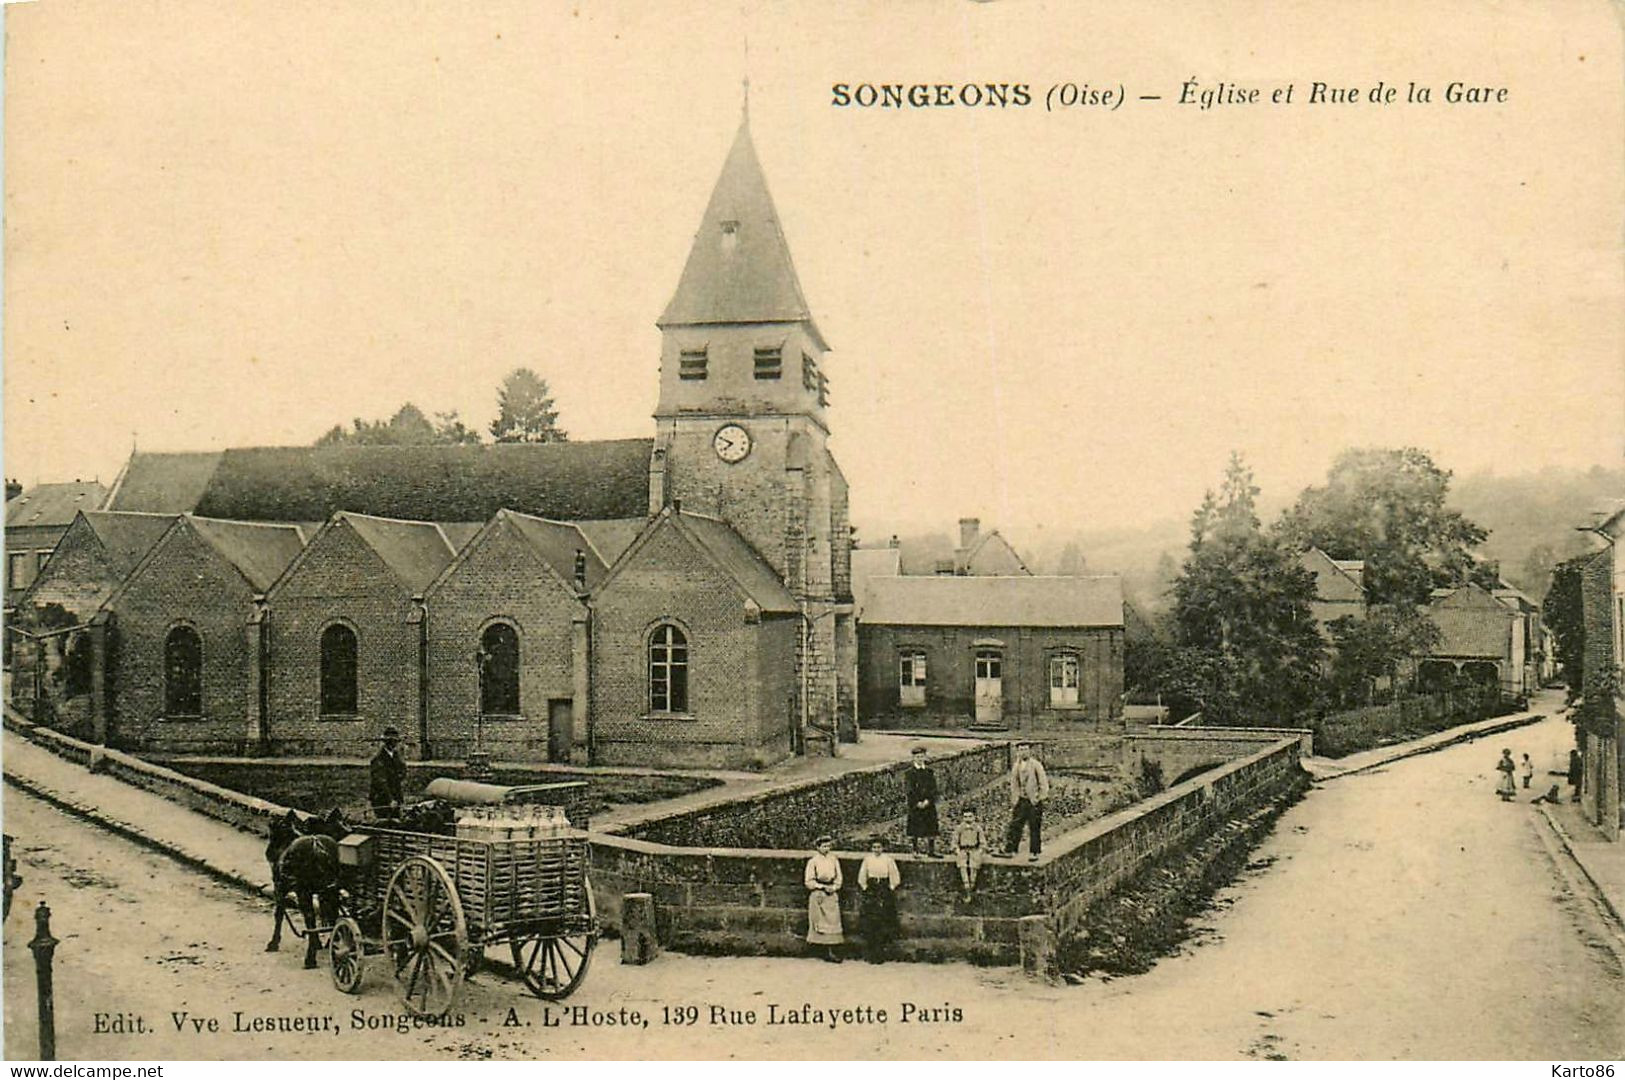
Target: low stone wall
793, 816
752, 901
1178, 750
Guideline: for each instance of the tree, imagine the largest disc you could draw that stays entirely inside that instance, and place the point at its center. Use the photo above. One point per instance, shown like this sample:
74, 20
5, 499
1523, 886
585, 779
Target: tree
525, 411
1377, 647
1241, 610
408, 427
1564, 613
1387, 507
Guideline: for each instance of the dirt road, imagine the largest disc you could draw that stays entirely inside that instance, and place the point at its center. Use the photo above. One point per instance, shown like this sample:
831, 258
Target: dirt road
1405, 913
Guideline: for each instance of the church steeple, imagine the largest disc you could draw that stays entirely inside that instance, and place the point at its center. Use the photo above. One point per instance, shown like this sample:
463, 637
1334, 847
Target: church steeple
739, 269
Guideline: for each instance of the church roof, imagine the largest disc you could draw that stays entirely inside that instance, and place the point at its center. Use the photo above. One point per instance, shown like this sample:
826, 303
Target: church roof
739, 269
54, 504
163, 483
126, 538
562, 481
415, 551
259, 551
557, 542
729, 552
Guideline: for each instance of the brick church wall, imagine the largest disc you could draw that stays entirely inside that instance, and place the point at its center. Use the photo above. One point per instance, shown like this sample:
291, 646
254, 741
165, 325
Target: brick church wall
184, 581
502, 579
732, 719
340, 579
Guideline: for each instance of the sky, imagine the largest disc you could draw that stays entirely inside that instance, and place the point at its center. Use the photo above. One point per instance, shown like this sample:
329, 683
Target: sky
241, 224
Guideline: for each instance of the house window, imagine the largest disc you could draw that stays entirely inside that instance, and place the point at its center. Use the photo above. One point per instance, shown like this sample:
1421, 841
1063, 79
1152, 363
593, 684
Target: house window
691, 365
20, 570
339, 696
183, 672
769, 362
911, 677
1063, 680
499, 671
668, 670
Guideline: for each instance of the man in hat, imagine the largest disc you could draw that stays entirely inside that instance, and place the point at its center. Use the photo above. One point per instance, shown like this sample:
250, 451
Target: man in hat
922, 804
387, 774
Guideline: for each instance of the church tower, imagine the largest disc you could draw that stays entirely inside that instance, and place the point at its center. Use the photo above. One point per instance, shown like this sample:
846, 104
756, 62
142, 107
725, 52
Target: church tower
742, 424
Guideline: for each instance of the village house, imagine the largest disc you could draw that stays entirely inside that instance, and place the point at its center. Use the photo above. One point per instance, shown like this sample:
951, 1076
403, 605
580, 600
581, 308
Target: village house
1339, 587
990, 653
1481, 642
179, 637
508, 637
35, 520
1602, 591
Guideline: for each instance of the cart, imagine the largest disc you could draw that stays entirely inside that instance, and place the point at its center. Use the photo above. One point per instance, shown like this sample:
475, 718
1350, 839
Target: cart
440, 901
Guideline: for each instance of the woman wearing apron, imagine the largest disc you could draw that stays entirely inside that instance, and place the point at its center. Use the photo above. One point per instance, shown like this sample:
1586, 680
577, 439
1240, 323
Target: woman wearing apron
823, 881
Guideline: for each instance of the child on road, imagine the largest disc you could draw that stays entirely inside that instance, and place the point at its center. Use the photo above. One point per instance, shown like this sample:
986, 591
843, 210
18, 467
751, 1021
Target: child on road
969, 844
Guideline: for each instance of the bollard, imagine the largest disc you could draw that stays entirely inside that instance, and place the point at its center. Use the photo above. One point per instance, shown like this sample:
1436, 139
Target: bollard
639, 943
43, 946
1037, 937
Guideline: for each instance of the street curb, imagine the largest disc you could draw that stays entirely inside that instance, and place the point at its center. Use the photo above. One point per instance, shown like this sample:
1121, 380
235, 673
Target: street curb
138, 835
1568, 849
1461, 737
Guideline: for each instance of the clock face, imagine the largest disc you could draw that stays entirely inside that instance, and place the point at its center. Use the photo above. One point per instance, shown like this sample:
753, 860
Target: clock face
731, 442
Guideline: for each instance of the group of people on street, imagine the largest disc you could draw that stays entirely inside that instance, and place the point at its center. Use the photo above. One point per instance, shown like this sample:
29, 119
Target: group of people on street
878, 875
1507, 786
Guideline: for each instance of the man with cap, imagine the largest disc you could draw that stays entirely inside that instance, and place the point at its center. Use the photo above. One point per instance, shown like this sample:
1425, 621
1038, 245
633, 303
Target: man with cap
387, 775
922, 804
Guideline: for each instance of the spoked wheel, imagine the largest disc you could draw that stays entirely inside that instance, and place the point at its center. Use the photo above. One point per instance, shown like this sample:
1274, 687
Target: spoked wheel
346, 955
553, 966
425, 936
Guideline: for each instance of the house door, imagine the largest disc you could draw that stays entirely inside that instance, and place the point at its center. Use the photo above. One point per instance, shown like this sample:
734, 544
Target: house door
560, 729
989, 688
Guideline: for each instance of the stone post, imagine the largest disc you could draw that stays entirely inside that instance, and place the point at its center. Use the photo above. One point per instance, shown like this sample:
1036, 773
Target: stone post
639, 941
1037, 938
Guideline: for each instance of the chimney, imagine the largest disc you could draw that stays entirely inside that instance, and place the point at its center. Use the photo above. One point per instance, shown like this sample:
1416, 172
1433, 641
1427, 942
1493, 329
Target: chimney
894, 542
14, 488
969, 528
677, 506
581, 570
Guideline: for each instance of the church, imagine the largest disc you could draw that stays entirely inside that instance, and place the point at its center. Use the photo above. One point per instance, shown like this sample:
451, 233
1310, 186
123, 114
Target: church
679, 600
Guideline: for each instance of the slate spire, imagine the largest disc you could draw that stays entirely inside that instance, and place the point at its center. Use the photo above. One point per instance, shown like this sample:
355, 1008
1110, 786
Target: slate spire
739, 269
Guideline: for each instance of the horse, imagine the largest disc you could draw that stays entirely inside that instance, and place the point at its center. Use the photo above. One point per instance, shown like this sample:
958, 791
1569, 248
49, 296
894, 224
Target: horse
304, 858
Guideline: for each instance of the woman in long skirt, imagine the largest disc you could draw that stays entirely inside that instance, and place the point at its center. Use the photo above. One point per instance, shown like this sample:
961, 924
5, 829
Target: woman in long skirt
823, 881
877, 918
1508, 787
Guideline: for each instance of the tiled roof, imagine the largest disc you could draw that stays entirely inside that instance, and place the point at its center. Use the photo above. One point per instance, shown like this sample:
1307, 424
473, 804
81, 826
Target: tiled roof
259, 551
415, 551
557, 543
162, 483
459, 533
872, 563
1471, 632
561, 481
614, 536
739, 269
54, 504
127, 537
1095, 600
738, 560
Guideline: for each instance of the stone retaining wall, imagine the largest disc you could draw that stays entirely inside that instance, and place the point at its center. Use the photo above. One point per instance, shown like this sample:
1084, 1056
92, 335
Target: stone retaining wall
1180, 749
793, 816
752, 900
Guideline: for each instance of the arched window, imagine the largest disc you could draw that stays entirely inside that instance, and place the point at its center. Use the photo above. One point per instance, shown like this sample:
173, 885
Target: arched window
339, 696
499, 671
183, 672
668, 670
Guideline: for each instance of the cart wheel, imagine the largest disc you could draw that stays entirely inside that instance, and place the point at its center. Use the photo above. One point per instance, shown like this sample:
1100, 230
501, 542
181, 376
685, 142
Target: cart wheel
346, 955
554, 966
425, 936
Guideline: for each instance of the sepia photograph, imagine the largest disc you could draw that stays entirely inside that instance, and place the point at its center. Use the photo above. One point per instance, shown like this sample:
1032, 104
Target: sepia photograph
813, 532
